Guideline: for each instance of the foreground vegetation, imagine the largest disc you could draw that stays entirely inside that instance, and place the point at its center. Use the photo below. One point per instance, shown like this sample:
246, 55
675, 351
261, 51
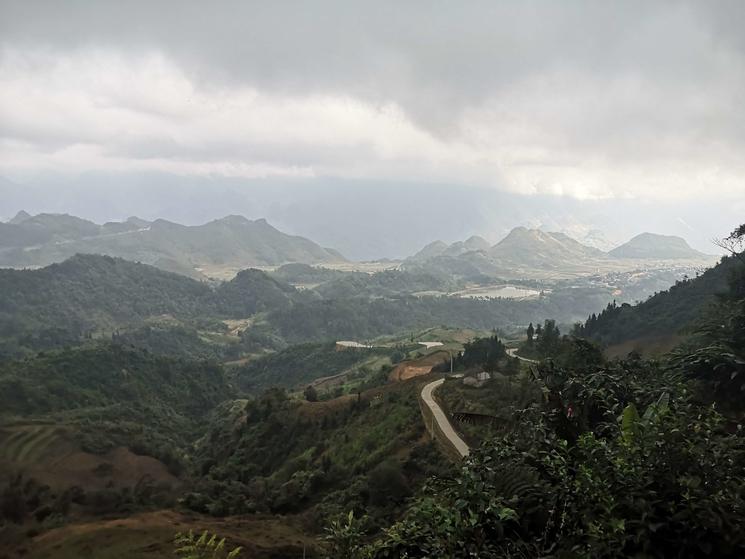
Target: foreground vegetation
628, 458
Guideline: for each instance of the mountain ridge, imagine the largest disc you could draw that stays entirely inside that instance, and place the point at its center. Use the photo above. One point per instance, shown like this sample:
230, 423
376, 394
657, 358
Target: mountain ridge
230, 242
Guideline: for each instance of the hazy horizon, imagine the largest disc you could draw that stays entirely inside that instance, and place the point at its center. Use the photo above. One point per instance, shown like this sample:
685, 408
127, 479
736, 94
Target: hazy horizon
470, 120
364, 220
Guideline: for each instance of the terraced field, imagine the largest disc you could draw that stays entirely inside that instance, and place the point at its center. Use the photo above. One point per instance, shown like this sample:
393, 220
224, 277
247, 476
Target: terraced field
49, 453
150, 535
32, 444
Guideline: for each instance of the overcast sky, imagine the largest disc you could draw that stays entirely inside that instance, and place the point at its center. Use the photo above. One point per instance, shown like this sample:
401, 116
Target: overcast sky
587, 99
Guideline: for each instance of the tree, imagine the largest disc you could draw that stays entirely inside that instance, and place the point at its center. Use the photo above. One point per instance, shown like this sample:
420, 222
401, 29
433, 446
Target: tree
734, 242
619, 462
531, 331
13, 504
310, 393
549, 339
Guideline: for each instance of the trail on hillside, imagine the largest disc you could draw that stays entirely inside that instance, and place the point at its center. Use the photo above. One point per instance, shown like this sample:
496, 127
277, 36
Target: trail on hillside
439, 424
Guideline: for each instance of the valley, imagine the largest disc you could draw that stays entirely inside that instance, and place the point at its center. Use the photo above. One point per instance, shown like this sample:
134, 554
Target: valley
372, 280
138, 402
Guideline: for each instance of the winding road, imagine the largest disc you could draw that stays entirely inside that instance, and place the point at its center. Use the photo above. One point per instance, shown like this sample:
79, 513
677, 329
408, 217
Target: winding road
442, 421
512, 352
443, 424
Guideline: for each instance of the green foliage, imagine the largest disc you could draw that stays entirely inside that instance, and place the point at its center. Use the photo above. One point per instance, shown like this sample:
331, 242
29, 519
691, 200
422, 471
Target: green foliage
596, 478
87, 294
206, 546
363, 318
668, 312
114, 396
91, 296
310, 394
283, 455
499, 398
251, 292
301, 364
343, 538
180, 341
484, 353
715, 357
108, 375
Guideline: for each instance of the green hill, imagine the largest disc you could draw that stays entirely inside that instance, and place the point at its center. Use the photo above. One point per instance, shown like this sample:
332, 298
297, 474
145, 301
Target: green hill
109, 396
93, 295
299, 365
671, 312
88, 292
280, 455
109, 375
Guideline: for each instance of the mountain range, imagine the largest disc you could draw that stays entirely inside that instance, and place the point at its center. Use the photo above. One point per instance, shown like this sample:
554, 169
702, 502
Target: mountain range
219, 248
365, 220
526, 253
230, 243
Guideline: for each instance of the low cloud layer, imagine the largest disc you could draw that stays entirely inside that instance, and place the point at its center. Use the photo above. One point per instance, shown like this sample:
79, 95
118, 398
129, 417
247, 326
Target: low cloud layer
636, 100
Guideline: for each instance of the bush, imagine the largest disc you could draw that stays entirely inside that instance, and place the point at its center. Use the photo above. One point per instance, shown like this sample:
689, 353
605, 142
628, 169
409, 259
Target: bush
617, 462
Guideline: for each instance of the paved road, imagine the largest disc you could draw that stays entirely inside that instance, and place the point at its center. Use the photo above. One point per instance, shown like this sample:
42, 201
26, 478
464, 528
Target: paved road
512, 352
441, 418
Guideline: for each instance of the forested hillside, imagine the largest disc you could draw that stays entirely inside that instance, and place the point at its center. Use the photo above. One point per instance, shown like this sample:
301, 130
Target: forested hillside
100, 296
92, 295
110, 396
280, 455
368, 318
674, 311
301, 364
108, 375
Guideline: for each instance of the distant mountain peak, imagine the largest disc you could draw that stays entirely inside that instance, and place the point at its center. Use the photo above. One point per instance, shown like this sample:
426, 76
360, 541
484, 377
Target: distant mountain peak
432, 250
475, 242
535, 249
653, 245
20, 217
232, 219
139, 222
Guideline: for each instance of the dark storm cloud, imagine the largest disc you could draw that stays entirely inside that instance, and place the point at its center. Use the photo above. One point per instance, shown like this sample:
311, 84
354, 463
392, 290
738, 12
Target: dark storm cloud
440, 51
491, 92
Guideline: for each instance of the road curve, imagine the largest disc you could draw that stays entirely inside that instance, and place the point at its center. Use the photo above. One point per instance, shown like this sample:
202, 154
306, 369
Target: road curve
442, 421
512, 352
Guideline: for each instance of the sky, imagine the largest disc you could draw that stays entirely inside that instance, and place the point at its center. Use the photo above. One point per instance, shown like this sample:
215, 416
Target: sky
583, 100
